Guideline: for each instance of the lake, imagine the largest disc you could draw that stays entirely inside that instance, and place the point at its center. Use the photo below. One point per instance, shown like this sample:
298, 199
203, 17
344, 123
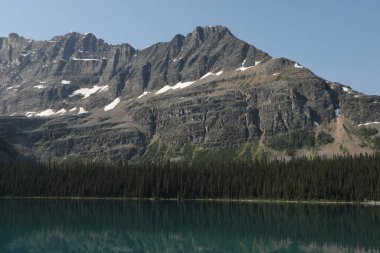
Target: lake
108, 226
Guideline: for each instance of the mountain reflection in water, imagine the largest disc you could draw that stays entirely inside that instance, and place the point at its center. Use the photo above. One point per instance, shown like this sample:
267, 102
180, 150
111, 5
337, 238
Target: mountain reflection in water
48, 225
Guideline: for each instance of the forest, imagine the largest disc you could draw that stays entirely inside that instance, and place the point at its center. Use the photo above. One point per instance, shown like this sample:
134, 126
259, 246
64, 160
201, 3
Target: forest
349, 178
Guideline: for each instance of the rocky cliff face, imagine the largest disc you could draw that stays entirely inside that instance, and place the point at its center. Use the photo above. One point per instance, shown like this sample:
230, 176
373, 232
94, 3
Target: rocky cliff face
206, 95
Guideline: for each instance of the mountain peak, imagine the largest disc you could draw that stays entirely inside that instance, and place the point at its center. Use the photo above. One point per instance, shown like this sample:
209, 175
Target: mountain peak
14, 35
211, 31
78, 34
205, 91
217, 28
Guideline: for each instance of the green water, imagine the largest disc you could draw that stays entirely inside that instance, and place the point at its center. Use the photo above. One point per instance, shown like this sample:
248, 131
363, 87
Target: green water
169, 226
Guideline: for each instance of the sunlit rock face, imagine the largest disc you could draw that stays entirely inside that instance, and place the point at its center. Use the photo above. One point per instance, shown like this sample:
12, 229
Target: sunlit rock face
200, 95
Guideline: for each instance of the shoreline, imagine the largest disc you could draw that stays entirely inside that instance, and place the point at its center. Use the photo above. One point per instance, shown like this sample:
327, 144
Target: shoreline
221, 200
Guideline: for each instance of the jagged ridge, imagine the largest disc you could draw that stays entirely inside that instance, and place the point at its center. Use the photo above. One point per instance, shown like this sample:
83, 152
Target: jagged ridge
206, 94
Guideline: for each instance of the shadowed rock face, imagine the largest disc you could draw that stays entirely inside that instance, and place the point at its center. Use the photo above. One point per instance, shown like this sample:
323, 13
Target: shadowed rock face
190, 98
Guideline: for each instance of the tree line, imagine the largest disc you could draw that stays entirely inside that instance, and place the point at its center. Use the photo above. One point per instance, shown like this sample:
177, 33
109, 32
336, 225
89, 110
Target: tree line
349, 178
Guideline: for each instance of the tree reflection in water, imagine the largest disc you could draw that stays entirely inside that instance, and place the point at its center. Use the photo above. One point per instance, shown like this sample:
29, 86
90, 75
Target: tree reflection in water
48, 225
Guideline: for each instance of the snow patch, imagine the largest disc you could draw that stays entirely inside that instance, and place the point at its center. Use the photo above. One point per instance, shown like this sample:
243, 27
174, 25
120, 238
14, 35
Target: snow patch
62, 111
15, 87
346, 89
65, 82
276, 74
257, 63
84, 59
208, 74
212, 74
86, 92
164, 89
337, 112
81, 111
112, 105
369, 123
46, 113
39, 86
144, 93
177, 59
30, 114
73, 109
316, 123
179, 85
296, 65
243, 68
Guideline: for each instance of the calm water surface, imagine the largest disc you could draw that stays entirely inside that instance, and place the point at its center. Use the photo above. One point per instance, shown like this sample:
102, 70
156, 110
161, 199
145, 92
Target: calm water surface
169, 226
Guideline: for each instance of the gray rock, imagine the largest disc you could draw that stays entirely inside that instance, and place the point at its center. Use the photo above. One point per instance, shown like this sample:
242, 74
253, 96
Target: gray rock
265, 98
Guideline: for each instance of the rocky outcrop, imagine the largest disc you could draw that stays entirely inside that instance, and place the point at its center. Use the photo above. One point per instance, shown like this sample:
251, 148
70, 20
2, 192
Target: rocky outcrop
361, 109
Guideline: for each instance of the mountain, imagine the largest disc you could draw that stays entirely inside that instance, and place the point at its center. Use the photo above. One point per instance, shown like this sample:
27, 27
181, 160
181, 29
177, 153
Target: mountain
206, 95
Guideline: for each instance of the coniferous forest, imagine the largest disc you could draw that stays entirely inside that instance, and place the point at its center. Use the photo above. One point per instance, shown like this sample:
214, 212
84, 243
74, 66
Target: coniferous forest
337, 179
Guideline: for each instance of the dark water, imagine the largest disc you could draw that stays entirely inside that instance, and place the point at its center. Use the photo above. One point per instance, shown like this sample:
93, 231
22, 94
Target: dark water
167, 226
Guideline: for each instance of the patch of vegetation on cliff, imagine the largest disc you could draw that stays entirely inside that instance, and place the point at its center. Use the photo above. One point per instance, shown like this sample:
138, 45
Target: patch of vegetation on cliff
376, 143
324, 138
367, 131
156, 149
249, 151
369, 134
246, 153
278, 77
292, 141
214, 155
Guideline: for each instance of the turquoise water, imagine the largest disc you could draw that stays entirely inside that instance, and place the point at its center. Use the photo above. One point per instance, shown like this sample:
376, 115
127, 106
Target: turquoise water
170, 226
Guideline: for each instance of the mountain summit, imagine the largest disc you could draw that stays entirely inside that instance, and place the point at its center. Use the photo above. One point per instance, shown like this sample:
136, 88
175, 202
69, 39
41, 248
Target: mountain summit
206, 95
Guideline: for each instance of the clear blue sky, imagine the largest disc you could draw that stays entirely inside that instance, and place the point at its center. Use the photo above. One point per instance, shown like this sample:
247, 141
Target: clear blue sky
337, 39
